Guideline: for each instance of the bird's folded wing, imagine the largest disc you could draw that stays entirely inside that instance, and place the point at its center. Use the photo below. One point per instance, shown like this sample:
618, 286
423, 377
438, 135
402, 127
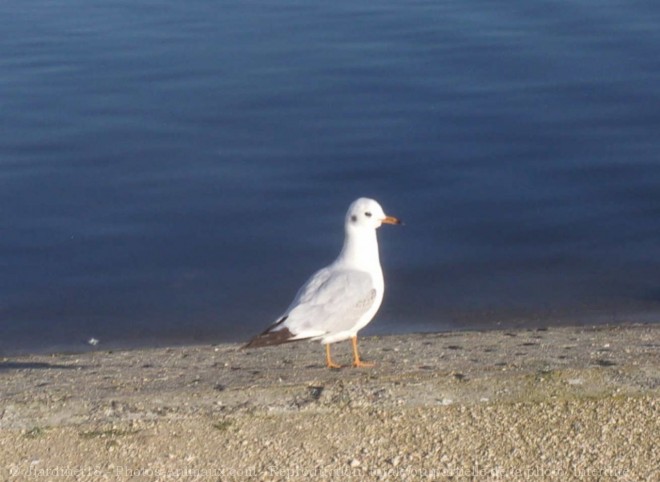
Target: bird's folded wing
332, 301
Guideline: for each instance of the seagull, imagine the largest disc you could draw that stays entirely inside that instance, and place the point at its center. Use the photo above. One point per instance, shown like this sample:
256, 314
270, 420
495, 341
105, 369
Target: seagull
342, 298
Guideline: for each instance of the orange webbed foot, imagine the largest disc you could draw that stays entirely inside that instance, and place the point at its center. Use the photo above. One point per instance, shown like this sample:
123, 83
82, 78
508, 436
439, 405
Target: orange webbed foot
363, 364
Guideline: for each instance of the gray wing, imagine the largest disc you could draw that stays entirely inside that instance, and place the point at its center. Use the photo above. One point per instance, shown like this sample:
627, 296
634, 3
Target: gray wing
331, 301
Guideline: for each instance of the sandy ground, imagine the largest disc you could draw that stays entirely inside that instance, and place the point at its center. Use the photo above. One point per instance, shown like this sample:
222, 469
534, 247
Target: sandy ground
555, 404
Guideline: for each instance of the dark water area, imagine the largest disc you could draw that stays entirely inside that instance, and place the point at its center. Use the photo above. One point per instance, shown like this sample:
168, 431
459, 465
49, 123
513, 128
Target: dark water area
172, 172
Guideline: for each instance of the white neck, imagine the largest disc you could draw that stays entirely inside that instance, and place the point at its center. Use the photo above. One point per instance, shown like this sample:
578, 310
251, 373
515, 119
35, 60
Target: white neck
360, 250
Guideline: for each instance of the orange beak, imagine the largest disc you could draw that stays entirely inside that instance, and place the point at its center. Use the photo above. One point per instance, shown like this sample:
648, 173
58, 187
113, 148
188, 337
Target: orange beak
391, 220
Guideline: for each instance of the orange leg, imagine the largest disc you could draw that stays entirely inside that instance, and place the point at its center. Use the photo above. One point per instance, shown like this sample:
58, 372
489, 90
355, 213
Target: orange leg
356, 357
328, 358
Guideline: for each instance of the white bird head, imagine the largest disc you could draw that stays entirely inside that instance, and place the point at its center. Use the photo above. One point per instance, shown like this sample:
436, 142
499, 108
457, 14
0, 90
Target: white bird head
365, 213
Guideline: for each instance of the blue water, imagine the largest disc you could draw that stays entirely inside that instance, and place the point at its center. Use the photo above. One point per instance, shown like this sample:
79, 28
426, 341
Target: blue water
171, 172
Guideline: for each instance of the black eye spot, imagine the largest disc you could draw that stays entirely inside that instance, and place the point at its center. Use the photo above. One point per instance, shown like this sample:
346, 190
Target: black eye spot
353, 218
367, 214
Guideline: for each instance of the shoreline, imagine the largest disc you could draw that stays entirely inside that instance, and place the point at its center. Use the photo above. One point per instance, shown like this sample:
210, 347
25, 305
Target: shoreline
568, 400
460, 324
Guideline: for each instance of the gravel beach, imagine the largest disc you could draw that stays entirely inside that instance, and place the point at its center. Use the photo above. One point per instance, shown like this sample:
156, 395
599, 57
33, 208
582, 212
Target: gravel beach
544, 404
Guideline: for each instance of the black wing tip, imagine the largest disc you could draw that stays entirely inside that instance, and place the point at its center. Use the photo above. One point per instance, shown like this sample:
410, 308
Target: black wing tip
270, 338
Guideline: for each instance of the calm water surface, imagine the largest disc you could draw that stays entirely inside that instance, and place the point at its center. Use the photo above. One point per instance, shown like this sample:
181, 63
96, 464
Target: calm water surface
171, 172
